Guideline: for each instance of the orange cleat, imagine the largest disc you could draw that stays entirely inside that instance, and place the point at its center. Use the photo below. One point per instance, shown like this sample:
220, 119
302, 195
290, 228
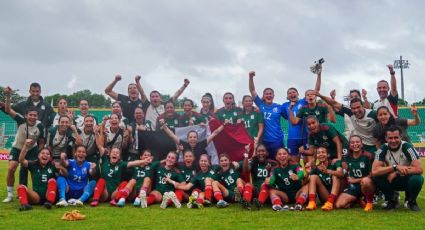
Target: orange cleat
328, 206
368, 207
311, 206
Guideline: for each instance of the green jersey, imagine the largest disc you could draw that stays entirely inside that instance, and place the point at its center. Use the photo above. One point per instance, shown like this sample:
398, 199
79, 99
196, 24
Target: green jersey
198, 180
282, 181
111, 173
325, 177
188, 172
161, 184
320, 111
140, 173
324, 139
251, 121
227, 178
232, 114
192, 119
41, 175
171, 121
260, 171
359, 167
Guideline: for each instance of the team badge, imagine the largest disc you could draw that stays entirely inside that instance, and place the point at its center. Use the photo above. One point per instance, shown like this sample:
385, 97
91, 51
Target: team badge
252, 116
49, 170
231, 171
235, 113
116, 167
325, 137
317, 113
290, 172
275, 110
362, 165
43, 107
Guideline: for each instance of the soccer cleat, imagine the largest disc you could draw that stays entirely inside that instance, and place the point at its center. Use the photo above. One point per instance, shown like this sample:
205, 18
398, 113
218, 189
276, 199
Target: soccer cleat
277, 207
257, 203
286, 208
328, 206
136, 202
121, 203
222, 204
79, 203
245, 204
8, 199
143, 201
62, 203
113, 202
72, 201
298, 207
94, 203
48, 205
389, 205
237, 195
191, 203
174, 199
199, 205
25, 207
207, 203
165, 199
413, 206
311, 206
368, 207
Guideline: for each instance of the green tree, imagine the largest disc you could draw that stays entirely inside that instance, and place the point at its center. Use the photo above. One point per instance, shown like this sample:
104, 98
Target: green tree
15, 97
95, 100
402, 102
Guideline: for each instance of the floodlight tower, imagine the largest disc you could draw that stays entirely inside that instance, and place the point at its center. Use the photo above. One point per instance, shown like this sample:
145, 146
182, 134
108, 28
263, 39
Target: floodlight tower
401, 64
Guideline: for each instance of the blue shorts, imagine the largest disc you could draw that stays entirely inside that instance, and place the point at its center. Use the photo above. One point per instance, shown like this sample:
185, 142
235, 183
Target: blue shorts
295, 144
272, 148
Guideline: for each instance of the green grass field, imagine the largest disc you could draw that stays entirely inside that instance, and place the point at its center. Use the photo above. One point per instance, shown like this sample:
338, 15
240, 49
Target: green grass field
232, 217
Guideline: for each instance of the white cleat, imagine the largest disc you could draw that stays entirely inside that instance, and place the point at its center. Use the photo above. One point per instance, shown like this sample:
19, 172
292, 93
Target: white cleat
8, 199
78, 203
143, 201
174, 199
62, 203
165, 199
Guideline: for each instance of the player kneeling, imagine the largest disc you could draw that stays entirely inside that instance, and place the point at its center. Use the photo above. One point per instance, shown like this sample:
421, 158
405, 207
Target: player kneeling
324, 181
43, 174
359, 164
286, 183
228, 186
140, 184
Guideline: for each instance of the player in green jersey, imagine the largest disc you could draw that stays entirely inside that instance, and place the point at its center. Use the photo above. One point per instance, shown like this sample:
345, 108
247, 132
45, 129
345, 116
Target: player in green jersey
170, 116
208, 107
253, 120
166, 176
229, 111
259, 167
359, 164
198, 184
227, 184
109, 186
189, 117
43, 174
324, 181
286, 183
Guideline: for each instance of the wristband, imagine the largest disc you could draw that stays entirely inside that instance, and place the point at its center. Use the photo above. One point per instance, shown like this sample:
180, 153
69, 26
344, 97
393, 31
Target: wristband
395, 167
392, 72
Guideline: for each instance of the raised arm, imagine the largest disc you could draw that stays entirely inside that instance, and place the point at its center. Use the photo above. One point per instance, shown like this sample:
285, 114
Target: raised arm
140, 88
24, 151
64, 160
251, 85
319, 79
366, 103
109, 89
330, 101
245, 164
292, 118
393, 80
180, 91
338, 144
169, 132
7, 106
417, 119
77, 137
217, 131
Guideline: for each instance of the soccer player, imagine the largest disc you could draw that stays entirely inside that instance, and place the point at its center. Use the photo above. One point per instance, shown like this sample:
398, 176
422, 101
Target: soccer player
259, 167
62, 137
109, 186
154, 107
197, 147
229, 111
273, 134
130, 102
28, 128
43, 174
76, 186
138, 125
386, 119
324, 181
170, 116
297, 134
166, 176
228, 186
397, 167
208, 108
324, 135
253, 120
117, 109
363, 120
200, 184
189, 117
359, 164
88, 138
84, 111
62, 111
141, 181
389, 100
285, 183
114, 136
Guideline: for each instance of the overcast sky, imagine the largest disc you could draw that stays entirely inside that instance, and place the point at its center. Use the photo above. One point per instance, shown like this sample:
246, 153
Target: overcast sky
73, 45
